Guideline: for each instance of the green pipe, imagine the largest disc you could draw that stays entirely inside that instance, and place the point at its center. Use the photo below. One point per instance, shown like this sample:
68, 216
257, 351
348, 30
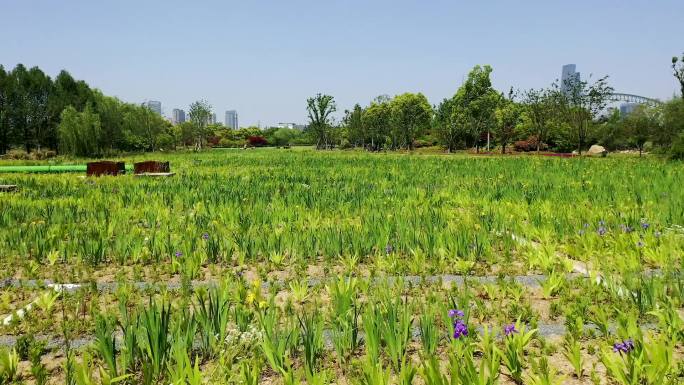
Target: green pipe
50, 169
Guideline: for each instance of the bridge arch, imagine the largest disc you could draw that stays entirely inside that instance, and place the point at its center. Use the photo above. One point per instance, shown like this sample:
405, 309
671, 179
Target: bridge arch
631, 98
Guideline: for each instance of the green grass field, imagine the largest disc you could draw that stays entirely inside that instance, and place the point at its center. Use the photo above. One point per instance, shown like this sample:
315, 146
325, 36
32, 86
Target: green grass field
288, 266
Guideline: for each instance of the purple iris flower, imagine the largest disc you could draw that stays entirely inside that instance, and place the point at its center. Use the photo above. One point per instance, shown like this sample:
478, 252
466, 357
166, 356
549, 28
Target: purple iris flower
205, 236
629, 344
388, 249
645, 225
640, 244
179, 254
626, 228
581, 232
602, 222
602, 231
456, 313
624, 346
510, 329
460, 329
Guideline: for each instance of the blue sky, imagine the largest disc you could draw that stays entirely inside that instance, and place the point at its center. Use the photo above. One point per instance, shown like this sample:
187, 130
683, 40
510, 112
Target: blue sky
264, 58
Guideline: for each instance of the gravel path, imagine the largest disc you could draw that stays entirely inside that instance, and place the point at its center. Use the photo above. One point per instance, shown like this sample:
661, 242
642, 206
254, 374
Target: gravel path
544, 330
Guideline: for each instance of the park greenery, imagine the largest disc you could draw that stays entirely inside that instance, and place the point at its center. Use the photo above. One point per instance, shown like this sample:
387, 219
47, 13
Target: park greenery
562, 117
43, 116
309, 267
38, 114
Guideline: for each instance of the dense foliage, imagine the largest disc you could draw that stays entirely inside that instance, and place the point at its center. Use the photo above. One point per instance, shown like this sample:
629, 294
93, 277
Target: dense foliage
37, 112
563, 118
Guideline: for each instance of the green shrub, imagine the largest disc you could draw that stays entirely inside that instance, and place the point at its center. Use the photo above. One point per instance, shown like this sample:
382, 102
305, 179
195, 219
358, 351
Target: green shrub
677, 149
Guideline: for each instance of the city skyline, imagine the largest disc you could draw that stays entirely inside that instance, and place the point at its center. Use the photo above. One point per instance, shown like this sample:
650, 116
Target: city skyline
268, 72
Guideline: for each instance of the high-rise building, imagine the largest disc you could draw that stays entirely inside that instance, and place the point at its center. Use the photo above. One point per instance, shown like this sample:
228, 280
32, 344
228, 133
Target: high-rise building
627, 108
212, 118
232, 119
153, 105
569, 75
178, 116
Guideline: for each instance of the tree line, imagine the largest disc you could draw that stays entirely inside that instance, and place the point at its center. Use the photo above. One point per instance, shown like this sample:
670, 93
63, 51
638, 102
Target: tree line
70, 117
568, 116
65, 114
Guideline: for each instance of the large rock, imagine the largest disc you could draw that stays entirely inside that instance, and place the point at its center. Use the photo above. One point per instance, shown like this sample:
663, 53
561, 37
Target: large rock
597, 150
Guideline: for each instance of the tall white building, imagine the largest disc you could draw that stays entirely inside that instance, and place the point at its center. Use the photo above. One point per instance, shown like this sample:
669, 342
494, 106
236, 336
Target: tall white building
178, 116
232, 119
568, 75
153, 105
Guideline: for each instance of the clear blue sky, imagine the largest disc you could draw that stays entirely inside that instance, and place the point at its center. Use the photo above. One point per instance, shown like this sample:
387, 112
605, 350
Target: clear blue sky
263, 58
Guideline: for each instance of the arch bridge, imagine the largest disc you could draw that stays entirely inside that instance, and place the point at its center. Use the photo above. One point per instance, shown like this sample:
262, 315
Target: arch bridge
630, 98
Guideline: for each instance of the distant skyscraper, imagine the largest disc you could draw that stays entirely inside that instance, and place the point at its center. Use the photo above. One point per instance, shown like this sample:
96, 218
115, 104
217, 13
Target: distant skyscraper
212, 118
178, 116
232, 119
153, 105
569, 73
627, 108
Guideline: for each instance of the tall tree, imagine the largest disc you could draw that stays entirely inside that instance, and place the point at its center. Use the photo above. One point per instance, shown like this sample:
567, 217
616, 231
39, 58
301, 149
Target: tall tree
376, 122
142, 128
641, 124
112, 113
449, 133
540, 108
678, 71
353, 120
475, 103
19, 109
672, 123
583, 101
38, 115
508, 115
4, 111
199, 113
320, 109
410, 116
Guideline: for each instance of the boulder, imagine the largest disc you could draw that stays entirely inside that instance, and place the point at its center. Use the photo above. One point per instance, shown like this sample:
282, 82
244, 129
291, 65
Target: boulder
597, 150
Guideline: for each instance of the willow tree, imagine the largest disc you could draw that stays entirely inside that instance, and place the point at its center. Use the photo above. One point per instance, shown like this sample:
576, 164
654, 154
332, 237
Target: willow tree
320, 109
80, 132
